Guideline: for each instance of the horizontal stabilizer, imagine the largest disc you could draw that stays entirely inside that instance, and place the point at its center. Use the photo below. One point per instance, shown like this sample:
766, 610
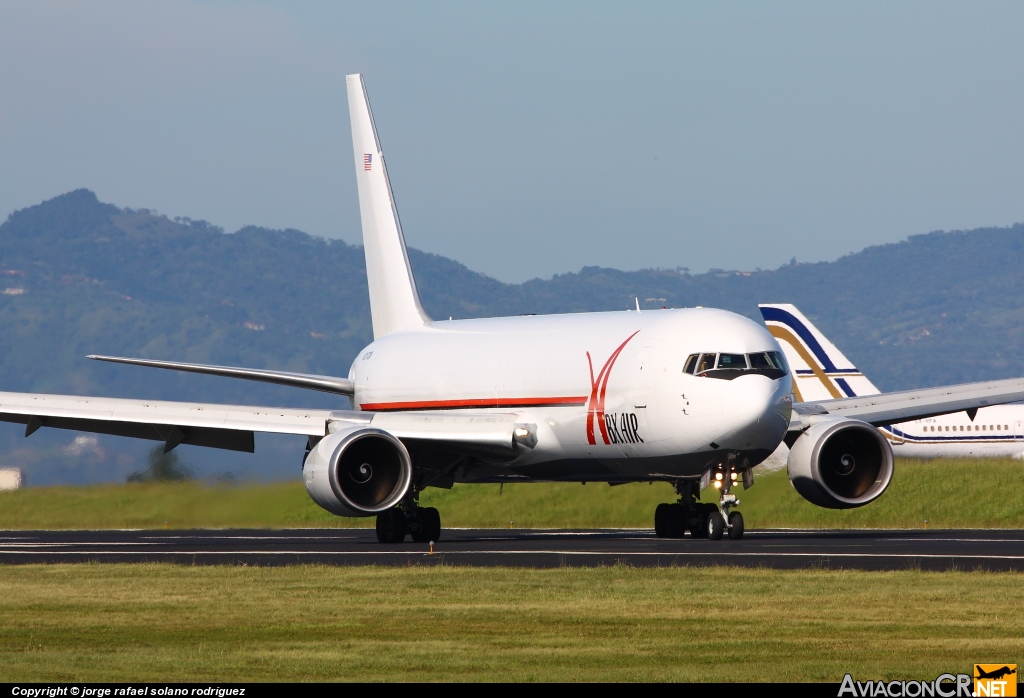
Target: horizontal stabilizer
327, 384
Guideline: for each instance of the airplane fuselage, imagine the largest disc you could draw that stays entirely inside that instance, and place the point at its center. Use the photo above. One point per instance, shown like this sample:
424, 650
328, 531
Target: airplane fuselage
606, 391
994, 431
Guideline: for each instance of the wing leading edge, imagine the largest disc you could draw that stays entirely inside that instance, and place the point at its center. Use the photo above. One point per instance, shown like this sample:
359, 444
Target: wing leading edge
232, 427
893, 408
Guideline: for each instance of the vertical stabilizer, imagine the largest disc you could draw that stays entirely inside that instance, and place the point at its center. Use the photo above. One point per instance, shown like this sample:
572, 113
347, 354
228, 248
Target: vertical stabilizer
821, 371
394, 302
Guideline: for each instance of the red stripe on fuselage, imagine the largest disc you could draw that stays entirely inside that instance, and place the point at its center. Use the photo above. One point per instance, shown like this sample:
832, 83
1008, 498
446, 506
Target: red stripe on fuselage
478, 402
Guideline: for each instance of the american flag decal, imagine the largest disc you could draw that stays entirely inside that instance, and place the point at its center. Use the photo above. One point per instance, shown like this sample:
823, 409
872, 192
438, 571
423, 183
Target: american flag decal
368, 161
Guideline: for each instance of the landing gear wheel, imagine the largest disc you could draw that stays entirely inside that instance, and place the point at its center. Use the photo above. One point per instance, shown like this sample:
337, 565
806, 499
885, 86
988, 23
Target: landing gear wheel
662, 519
735, 525
429, 525
716, 526
391, 526
670, 521
677, 521
700, 530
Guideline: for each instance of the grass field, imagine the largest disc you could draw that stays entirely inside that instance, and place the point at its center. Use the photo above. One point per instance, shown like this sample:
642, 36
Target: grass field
92, 622
948, 493
167, 623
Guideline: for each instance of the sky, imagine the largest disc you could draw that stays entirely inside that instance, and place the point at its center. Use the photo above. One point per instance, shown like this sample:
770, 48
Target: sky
527, 139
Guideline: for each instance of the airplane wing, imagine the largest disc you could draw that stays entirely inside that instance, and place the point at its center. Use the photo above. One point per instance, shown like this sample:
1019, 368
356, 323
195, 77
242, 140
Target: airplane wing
907, 405
327, 384
232, 427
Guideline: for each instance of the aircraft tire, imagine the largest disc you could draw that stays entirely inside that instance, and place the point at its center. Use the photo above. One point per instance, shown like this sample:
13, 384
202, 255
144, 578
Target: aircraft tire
677, 521
716, 526
662, 517
735, 525
429, 525
700, 530
391, 526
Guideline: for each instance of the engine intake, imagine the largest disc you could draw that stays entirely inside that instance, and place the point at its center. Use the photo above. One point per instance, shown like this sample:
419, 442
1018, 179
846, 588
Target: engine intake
841, 463
360, 471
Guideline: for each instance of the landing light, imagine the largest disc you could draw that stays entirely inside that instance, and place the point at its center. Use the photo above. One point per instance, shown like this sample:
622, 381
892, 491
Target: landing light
522, 432
718, 476
718, 484
734, 477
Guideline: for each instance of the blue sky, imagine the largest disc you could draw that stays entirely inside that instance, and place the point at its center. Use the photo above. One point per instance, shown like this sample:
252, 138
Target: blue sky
528, 139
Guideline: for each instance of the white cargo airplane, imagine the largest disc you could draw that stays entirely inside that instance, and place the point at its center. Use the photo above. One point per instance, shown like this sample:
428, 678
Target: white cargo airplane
822, 372
690, 396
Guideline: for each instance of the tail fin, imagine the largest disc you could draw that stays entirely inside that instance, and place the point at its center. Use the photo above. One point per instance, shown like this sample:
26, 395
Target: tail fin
394, 301
820, 370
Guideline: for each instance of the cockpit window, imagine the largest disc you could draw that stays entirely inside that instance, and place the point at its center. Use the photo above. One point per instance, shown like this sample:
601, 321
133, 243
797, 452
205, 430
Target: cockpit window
768, 360
760, 360
734, 361
731, 366
706, 363
779, 361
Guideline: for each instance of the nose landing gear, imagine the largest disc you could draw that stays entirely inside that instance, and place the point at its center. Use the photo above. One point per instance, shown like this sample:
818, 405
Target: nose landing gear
702, 520
735, 525
725, 521
721, 522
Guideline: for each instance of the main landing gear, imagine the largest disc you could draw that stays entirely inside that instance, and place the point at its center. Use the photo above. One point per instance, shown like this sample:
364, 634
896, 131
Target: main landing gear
702, 520
422, 523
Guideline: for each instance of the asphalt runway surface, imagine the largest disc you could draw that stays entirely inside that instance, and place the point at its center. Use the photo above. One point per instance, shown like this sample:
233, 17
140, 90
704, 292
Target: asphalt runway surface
862, 549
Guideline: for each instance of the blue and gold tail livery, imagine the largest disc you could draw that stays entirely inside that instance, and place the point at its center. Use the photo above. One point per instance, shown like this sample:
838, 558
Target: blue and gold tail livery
820, 370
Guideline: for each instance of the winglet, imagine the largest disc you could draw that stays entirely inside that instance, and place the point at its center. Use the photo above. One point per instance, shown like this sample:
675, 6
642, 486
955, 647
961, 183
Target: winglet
394, 301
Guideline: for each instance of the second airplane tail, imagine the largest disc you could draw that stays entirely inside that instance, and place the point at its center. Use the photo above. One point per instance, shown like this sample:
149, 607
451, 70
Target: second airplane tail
820, 370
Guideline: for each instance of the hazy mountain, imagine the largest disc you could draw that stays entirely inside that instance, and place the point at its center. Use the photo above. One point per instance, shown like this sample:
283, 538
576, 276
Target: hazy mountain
78, 276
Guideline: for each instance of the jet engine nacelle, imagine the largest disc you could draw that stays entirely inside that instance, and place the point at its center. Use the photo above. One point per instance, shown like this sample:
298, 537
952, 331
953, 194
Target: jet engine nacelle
359, 471
840, 463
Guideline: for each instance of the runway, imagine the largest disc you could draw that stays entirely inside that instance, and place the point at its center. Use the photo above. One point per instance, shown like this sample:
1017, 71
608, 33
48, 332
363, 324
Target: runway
862, 549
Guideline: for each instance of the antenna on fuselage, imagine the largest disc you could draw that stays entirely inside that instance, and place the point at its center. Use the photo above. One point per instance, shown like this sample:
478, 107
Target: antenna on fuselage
394, 302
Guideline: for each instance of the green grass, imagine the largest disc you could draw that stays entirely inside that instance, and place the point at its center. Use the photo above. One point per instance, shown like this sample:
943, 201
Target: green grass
164, 622
948, 493
172, 623
171, 505
956, 493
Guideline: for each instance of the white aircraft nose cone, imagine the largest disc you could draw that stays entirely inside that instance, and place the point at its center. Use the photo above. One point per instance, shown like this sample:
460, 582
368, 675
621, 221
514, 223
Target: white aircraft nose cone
752, 409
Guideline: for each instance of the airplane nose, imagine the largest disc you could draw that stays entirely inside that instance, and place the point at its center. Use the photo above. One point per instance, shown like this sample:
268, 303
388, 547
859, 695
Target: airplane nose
756, 410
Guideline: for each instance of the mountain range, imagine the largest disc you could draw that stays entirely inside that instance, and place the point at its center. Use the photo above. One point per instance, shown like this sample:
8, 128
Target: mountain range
78, 276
